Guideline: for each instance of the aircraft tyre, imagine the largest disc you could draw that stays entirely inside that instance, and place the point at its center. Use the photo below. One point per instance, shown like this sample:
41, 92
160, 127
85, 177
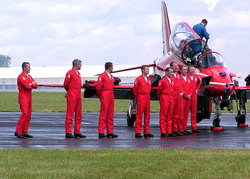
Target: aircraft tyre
131, 120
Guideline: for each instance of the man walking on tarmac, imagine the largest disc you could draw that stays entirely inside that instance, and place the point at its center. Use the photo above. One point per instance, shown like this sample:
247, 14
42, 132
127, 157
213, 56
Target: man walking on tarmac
25, 85
104, 90
187, 95
141, 91
177, 95
196, 84
73, 86
165, 95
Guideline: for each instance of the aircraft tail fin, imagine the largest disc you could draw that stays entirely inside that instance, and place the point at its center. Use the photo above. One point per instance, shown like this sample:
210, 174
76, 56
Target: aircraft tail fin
166, 31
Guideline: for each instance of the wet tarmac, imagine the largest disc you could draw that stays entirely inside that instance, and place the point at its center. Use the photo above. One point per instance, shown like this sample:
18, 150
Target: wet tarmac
48, 132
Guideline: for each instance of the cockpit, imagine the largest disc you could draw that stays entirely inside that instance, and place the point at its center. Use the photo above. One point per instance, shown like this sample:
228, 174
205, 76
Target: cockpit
184, 42
211, 59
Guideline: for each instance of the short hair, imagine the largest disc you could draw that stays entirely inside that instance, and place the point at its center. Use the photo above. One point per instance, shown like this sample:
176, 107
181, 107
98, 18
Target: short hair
108, 64
143, 67
183, 67
24, 64
172, 63
190, 66
204, 21
76, 62
167, 69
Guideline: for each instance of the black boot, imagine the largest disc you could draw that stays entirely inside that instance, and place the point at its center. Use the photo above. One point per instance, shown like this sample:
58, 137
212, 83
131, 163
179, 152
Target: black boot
79, 135
102, 135
112, 135
138, 135
27, 136
164, 135
18, 135
177, 133
171, 135
69, 135
148, 135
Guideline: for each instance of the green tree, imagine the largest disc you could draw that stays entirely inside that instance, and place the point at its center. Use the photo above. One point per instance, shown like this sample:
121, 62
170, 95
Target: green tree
5, 61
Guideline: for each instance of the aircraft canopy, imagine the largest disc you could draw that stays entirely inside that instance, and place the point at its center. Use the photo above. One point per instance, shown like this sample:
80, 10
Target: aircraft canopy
211, 59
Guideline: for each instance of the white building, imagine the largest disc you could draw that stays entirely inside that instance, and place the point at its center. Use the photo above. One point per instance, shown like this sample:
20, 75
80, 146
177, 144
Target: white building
56, 74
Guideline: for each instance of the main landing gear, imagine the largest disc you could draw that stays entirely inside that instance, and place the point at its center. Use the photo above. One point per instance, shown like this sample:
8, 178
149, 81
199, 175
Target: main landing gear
241, 116
131, 113
216, 122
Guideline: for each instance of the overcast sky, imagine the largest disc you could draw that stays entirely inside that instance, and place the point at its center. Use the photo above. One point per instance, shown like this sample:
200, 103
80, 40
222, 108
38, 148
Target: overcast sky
54, 32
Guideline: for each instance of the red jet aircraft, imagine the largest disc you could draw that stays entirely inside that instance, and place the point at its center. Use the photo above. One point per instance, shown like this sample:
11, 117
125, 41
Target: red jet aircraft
217, 82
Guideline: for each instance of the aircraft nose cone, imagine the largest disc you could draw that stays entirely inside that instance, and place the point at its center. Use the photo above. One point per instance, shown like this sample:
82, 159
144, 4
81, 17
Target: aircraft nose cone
223, 74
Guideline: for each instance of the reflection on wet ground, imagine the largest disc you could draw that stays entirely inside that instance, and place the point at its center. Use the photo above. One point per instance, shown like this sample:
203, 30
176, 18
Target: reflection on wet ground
48, 132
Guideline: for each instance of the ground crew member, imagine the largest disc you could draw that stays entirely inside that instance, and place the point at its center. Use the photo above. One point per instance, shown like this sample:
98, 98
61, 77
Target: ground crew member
200, 29
185, 104
141, 91
177, 95
73, 86
196, 83
104, 90
25, 85
165, 93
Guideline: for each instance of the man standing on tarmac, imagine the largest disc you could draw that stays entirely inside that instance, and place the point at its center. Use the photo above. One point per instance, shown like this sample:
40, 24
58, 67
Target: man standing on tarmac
185, 104
196, 83
141, 91
177, 95
165, 93
73, 86
104, 90
25, 85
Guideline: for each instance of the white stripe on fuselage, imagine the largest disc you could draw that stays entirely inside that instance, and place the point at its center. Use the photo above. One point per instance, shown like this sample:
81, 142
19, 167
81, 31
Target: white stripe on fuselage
218, 83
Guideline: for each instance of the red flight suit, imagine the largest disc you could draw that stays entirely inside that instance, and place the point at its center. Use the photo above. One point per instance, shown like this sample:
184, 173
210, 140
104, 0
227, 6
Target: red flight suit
104, 90
185, 104
165, 93
24, 83
141, 91
176, 122
196, 84
73, 86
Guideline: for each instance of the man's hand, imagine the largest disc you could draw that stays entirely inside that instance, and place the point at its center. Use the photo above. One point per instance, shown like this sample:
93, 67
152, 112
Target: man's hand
189, 96
181, 95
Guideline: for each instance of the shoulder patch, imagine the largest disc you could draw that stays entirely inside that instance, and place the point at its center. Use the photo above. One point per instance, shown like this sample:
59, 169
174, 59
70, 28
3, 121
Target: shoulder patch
68, 76
24, 78
135, 82
100, 79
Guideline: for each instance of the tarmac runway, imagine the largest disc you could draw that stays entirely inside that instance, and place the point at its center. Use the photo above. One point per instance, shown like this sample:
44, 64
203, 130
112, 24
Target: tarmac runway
48, 131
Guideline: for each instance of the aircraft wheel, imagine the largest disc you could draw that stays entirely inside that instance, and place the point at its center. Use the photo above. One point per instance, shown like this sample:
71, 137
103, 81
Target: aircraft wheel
131, 120
241, 119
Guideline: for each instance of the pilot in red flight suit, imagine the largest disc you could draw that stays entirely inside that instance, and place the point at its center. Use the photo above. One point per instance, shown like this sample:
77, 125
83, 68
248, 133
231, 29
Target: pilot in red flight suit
141, 91
73, 86
25, 85
185, 104
104, 90
196, 84
176, 122
165, 93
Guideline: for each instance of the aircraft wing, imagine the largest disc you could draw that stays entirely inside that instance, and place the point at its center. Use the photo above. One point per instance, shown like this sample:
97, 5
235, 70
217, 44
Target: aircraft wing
123, 91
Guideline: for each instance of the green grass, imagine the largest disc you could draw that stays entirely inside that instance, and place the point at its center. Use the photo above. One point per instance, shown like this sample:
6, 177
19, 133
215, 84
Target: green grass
124, 163
56, 102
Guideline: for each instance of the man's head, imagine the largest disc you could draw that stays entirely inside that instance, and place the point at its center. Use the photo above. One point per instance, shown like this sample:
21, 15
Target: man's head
26, 67
174, 66
145, 70
184, 70
77, 64
169, 72
191, 70
109, 67
204, 22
